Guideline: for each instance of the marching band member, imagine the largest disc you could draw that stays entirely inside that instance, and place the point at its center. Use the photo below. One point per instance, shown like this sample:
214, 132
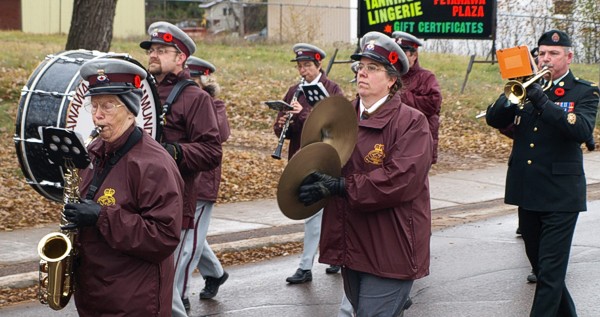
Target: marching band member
130, 226
308, 62
190, 133
545, 176
377, 223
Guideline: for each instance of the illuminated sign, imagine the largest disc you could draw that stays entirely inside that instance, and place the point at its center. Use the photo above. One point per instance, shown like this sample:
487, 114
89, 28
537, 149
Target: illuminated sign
429, 19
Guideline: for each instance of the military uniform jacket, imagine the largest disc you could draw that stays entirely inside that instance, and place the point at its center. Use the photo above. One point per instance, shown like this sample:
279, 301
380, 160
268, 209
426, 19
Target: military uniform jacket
545, 168
294, 132
383, 224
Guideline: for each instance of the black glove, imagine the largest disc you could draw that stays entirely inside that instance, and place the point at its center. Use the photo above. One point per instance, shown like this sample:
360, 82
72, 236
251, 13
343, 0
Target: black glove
317, 186
537, 96
174, 149
590, 144
83, 214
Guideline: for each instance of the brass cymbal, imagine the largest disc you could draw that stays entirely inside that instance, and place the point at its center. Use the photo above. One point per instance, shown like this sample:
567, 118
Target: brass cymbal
315, 157
332, 121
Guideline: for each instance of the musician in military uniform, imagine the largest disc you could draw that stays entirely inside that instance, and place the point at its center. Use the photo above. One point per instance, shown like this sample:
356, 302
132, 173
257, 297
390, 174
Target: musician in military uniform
308, 59
545, 177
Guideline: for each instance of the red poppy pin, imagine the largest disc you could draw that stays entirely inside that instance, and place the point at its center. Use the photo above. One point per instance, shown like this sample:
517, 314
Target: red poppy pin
559, 92
137, 81
393, 57
167, 37
318, 57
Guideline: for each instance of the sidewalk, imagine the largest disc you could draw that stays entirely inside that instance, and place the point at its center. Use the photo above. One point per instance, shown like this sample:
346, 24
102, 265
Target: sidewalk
244, 225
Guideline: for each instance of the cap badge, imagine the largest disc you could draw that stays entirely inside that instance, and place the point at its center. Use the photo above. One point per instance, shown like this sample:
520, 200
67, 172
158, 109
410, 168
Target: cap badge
371, 45
555, 37
168, 37
154, 33
102, 78
300, 53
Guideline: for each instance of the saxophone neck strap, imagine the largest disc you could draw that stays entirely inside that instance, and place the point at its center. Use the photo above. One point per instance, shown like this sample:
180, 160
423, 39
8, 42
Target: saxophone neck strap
98, 179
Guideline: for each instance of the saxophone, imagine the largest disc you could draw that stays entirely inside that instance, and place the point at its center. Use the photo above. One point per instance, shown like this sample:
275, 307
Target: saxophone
56, 249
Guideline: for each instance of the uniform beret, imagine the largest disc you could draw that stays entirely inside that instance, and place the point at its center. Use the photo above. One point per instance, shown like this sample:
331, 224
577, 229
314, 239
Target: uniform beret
199, 66
555, 38
307, 52
112, 76
168, 34
406, 40
381, 48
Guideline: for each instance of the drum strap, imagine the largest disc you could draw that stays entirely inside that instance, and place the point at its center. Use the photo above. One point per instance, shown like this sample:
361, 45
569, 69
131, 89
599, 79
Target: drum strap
133, 139
177, 89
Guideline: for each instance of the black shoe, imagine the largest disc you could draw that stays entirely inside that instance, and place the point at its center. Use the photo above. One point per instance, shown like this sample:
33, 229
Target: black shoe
301, 276
531, 278
186, 304
332, 269
211, 286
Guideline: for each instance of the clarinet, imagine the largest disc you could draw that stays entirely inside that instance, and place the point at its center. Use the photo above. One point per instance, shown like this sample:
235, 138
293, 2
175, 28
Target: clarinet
288, 117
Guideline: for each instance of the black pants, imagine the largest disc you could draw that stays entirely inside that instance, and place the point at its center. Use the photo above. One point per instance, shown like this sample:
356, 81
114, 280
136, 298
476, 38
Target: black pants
548, 237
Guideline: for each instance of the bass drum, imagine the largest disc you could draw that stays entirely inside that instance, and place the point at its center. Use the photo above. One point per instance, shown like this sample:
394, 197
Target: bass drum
54, 96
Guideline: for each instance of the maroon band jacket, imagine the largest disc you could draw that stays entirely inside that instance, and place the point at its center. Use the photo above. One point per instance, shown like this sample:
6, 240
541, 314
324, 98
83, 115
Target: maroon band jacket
192, 123
294, 131
383, 224
421, 91
125, 265
207, 183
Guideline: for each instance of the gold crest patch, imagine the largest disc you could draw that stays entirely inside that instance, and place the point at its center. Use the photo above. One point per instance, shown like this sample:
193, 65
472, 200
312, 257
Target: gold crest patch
571, 118
108, 198
376, 155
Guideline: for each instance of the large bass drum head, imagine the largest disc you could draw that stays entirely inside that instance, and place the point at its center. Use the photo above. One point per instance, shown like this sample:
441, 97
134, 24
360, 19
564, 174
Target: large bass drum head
54, 96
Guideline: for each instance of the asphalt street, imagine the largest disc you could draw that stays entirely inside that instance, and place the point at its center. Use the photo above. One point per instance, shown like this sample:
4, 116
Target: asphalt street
477, 269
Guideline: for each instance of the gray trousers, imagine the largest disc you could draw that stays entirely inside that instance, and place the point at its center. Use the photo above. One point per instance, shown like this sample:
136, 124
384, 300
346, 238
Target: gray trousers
190, 246
372, 295
312, 235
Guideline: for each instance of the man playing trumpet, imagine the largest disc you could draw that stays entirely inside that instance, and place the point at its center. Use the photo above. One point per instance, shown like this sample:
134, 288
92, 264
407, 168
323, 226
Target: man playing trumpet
545, 177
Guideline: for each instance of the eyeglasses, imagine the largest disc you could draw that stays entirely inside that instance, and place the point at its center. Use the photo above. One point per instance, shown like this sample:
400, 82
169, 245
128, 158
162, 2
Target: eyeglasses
370, 68
160, 51
106, 108
305, 66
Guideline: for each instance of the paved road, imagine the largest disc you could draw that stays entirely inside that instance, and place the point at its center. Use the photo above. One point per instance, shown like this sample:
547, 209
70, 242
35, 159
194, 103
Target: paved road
478, 269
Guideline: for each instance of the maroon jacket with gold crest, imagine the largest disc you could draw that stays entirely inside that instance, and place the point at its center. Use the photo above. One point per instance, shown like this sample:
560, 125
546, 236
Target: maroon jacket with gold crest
125, 265
382, 225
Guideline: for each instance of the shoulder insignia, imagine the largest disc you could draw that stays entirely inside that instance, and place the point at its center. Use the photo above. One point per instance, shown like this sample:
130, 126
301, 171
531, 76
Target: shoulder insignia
571, 118
586, 82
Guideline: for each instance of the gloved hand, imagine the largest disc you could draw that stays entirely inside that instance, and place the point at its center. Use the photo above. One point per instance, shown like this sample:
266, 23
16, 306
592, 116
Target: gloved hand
83, 214
537, 96
174, 149
317, 186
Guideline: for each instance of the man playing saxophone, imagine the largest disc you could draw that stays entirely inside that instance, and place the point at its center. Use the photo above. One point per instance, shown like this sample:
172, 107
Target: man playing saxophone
308, 60
130, 217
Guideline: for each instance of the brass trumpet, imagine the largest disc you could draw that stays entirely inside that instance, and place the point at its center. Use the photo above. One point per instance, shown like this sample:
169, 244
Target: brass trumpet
516, 91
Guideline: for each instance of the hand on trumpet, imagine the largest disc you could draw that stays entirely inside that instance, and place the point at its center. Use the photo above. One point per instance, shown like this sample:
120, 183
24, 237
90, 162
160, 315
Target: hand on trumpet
536, 95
